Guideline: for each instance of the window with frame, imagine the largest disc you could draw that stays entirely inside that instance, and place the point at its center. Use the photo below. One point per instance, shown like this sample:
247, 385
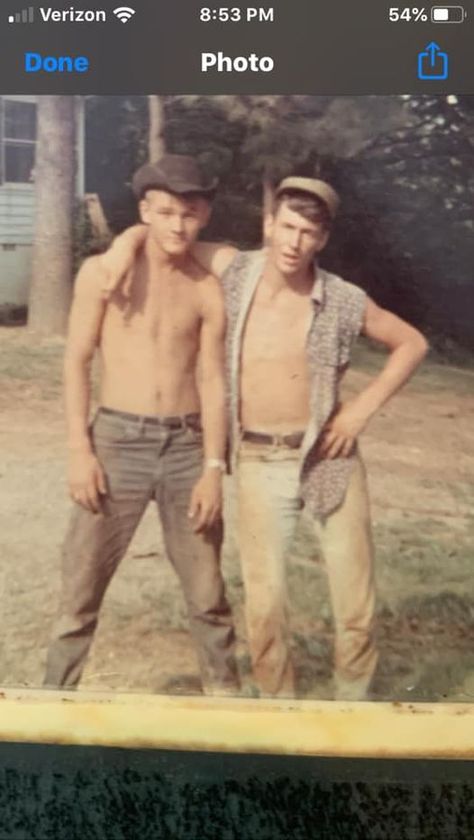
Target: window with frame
18, 141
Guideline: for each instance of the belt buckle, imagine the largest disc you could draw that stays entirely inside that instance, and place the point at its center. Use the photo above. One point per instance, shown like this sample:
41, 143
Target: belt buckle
192, 422
278, 440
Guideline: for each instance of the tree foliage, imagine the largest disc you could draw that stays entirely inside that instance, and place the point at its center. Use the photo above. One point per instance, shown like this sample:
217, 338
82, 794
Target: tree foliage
403, 167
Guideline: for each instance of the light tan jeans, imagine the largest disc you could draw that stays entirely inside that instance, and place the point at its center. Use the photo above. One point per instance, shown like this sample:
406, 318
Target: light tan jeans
269, 504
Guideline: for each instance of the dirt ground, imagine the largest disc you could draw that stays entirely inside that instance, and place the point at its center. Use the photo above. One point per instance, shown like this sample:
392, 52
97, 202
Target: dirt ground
420, 457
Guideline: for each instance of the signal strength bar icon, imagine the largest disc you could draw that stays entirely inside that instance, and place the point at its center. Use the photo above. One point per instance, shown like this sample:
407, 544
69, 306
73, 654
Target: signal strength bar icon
124, 13
25, 16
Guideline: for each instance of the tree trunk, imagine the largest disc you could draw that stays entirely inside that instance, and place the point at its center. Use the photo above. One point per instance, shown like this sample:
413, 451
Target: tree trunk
50, 293
156, 141
268, 201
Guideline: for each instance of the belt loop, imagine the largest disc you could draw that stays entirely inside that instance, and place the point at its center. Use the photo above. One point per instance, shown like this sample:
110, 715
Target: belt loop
141, 426
184, 422
235, 444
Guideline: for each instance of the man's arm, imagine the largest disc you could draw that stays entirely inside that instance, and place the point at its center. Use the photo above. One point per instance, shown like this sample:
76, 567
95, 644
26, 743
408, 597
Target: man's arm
407, 349
120, 257
206, 499
85, 476
215, 257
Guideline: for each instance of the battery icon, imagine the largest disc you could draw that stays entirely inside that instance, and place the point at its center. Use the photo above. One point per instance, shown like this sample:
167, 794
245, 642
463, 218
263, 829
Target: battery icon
448, 14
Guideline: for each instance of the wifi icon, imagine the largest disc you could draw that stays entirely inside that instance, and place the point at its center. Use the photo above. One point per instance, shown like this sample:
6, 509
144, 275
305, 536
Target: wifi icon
124, 13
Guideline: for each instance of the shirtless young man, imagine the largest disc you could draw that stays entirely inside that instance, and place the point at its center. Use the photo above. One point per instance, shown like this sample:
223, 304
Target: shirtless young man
158, 435
290, 328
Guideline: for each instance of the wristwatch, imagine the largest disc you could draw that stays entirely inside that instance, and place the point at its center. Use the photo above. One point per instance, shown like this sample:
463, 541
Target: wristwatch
216, 464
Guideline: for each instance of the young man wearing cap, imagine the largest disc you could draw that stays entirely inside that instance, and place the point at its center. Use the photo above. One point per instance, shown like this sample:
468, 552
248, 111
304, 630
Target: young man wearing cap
290, 328
160, 431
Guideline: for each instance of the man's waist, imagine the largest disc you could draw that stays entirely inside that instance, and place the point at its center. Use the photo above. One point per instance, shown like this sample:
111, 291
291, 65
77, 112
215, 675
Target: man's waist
169, 421
290, 440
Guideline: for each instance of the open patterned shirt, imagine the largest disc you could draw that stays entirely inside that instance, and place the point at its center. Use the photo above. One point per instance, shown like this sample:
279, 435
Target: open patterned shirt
339, 309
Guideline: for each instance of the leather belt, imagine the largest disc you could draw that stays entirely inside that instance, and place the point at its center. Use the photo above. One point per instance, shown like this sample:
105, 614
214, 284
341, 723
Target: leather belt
292, 441
192, 421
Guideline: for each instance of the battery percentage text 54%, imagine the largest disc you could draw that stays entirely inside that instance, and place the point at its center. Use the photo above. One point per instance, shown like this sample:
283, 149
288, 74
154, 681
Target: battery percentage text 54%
407, 14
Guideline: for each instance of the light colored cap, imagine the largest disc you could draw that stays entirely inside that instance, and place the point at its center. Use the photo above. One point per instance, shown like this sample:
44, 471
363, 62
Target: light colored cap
314, 187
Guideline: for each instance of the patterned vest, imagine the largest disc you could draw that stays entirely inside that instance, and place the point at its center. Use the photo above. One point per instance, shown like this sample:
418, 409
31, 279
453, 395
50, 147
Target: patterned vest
339, 309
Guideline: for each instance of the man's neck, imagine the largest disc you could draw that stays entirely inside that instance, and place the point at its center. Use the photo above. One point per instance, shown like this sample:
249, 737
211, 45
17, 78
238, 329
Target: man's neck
159, 259
301, 282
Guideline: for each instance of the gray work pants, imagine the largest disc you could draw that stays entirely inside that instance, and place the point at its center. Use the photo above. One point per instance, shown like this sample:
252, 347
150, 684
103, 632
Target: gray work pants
143, 461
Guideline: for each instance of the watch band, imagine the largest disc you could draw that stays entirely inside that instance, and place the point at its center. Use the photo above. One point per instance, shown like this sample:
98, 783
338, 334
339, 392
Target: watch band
216, 463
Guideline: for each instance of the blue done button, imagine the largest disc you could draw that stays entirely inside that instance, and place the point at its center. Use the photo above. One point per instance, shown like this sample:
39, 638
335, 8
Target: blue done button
36, 63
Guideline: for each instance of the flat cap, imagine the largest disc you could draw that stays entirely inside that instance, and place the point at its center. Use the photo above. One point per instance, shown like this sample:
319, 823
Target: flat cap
178, 174
313, 186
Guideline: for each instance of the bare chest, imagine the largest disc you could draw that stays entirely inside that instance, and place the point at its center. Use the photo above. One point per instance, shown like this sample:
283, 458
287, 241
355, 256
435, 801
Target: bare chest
277, 332
157, 313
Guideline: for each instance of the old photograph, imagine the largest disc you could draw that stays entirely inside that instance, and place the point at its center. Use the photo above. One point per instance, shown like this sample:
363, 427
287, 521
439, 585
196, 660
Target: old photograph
237, 370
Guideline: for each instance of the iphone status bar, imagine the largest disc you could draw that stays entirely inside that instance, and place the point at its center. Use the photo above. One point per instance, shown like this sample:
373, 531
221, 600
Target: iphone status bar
186, 46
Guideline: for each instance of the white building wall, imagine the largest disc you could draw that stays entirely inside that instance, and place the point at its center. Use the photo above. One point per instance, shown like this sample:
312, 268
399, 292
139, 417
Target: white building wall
17, 212
17, 218
17, 209
15, 270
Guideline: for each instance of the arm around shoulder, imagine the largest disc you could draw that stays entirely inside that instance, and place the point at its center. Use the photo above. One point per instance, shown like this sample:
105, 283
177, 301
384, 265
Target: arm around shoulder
214, 256
119, 258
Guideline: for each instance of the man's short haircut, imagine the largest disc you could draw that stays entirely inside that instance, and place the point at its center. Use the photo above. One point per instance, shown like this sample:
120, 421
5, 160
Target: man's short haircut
312, 208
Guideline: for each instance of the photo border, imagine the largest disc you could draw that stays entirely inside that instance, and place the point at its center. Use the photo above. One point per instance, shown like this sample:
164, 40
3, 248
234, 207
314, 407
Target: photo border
389, 730
236, 725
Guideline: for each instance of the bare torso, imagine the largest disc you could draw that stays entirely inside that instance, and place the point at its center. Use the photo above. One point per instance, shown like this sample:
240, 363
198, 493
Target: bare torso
275, 394
149, 341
